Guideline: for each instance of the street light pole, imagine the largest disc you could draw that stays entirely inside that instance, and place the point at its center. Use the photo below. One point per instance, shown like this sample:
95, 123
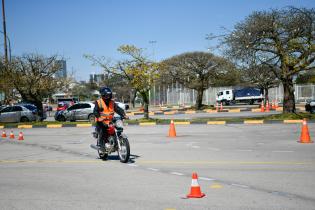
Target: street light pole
5, 35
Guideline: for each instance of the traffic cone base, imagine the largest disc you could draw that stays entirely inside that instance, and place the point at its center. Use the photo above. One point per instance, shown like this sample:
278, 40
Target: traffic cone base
305, 135
172, 131
21, 136
195, 191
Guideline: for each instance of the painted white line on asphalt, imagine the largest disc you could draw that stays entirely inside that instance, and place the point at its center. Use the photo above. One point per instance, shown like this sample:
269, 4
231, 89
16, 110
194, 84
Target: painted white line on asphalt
214, 149
206, 179
244, 150
153, 169
282, 151
240, 185
260, 143
176, 173
195, 147
133, 165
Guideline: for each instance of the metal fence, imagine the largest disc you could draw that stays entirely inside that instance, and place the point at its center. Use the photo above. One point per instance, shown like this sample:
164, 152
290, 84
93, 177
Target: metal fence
176, 94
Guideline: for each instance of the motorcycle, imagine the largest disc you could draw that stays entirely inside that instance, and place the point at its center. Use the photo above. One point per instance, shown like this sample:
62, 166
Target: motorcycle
117, 141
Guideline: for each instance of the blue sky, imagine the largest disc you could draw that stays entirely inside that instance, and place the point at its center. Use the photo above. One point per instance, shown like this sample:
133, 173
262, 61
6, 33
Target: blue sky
72, 28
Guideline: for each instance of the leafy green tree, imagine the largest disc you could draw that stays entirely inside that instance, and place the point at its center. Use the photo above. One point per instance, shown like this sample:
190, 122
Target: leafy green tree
198, 71
137, 69
33, 77
282, 39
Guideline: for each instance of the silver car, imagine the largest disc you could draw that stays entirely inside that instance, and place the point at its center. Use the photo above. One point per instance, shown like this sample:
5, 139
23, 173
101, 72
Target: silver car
79, 111
16, 114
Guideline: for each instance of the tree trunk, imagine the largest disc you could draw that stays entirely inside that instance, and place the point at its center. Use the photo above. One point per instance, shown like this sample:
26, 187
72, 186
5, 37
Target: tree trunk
145, 104
133, 98
199, 99
288, 96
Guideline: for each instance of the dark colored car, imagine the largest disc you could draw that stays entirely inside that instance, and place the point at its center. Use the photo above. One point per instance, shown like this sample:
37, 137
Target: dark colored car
310, 106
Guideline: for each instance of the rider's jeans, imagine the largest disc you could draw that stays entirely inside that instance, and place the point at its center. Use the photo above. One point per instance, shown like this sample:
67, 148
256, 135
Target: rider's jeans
101, 129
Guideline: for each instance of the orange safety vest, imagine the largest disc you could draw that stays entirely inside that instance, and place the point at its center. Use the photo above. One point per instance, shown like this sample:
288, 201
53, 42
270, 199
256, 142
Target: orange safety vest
108, 112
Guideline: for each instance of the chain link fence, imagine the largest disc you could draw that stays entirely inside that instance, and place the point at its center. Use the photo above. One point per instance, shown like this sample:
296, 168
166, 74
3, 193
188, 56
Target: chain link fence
176, 94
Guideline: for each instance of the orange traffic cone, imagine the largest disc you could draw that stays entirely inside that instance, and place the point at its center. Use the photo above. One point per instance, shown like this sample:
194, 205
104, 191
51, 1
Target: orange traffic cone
262, 107
267, 106
305, 135
221, 107
216, 107
21, 136
4, 135
172, 131
11, 135
195, 191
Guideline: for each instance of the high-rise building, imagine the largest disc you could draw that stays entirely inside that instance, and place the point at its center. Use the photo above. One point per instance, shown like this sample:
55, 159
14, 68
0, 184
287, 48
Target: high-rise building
62, 73
97, 78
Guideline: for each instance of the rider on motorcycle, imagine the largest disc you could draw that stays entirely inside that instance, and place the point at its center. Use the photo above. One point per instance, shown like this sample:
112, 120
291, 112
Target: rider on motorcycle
104, 110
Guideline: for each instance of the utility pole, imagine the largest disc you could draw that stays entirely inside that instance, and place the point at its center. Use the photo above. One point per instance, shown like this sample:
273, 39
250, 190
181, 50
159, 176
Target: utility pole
5, 35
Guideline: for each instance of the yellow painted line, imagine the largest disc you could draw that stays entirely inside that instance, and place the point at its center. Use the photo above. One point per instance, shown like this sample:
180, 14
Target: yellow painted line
253, 121
25, 126
256, 110
54, 126
1, 126
151, 113
225, 162
279, 109
235, 110
182, 123
169, 113
216, 186
147, 123
175, 107
211, 111
130, 114
190, 112
84, 125
216, 122
292, 121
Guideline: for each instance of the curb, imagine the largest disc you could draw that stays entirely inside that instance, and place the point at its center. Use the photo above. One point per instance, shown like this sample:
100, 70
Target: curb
219, 122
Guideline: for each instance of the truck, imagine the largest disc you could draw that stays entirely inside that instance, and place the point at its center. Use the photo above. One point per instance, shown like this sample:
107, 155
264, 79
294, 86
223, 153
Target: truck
247, 95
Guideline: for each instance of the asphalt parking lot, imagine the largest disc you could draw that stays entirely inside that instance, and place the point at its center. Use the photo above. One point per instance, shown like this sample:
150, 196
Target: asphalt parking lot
239, 167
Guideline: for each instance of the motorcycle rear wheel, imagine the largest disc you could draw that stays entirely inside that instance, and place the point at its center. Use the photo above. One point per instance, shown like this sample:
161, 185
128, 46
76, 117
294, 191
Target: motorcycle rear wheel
124, 151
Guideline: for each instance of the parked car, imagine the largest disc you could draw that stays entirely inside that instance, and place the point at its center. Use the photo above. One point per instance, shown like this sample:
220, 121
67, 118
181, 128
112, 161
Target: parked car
17, 113
310, 106
34, 109
62, 106
79, 111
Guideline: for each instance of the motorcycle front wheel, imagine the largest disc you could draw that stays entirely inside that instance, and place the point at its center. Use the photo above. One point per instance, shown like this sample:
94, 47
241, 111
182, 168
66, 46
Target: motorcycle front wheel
124, 151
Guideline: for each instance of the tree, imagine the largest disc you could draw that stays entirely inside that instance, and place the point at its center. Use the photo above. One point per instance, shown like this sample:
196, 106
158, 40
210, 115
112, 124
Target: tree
138, 70
198, 71
306, 77
282, 39
261, 76
33, 77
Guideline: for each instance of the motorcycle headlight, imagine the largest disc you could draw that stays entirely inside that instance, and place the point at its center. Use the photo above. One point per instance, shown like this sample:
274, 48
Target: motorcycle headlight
119, 124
